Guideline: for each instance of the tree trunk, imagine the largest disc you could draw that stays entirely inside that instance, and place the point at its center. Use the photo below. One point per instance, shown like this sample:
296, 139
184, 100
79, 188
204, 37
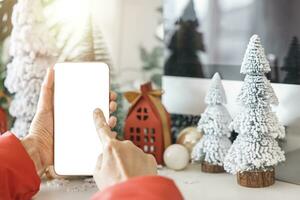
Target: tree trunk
256, 179
209, 168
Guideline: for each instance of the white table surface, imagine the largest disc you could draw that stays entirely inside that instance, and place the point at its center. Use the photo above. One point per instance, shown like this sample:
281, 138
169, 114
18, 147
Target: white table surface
195, 185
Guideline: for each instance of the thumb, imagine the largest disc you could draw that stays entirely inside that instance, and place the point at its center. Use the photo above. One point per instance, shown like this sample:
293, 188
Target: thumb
46, 95
102, 128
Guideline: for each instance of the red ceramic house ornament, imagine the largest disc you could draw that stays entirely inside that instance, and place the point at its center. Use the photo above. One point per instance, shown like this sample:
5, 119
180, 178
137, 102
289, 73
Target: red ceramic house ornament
148, 123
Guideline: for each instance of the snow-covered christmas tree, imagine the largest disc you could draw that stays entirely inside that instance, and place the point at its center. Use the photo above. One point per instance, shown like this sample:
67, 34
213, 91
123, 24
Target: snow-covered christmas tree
33, 51
255, 151
214, 123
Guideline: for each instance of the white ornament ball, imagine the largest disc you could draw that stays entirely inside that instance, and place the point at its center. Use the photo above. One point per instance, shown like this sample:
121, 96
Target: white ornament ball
176, 157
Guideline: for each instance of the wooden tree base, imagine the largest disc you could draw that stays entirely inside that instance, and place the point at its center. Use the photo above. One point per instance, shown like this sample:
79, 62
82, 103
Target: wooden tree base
209, 168
256, 179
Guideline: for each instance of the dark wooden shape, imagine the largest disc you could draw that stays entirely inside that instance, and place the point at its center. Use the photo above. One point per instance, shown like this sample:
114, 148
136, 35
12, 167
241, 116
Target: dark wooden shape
256, 179
209, 168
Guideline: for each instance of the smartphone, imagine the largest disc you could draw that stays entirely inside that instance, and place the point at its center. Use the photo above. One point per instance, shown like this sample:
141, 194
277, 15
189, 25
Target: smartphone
79, 88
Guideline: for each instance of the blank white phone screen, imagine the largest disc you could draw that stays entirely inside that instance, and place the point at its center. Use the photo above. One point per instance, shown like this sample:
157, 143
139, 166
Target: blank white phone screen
79, 89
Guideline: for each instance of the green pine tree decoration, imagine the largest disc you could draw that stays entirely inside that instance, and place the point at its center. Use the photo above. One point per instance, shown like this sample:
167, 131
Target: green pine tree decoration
5, 96
91, 46
152, 63
6, 8
153, 59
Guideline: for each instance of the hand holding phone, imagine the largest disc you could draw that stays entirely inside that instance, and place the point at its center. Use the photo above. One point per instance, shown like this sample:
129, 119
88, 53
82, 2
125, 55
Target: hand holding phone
79, 89
39, 142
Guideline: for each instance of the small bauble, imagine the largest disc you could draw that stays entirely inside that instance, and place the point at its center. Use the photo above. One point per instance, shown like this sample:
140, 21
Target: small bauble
176, 157
189, 137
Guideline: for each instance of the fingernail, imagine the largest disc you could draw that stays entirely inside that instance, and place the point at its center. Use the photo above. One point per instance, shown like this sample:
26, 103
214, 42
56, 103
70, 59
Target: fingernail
97, 111
46, 76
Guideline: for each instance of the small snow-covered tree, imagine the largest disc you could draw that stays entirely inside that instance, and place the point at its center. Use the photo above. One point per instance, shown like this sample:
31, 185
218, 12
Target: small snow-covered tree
214, 123
33, 51
255, 148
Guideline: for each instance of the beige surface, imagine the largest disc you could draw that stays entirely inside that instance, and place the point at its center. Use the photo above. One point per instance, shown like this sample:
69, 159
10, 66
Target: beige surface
196, 185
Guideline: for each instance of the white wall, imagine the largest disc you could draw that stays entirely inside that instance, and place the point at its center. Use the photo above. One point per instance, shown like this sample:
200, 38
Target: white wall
108, 15
127, 25
186, 96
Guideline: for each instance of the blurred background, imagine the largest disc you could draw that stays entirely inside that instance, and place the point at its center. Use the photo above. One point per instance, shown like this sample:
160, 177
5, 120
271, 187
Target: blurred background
218, 31
141, 40
127, 34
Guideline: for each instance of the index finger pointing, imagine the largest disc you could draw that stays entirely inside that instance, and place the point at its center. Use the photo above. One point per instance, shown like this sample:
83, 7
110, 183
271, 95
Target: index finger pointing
102, 128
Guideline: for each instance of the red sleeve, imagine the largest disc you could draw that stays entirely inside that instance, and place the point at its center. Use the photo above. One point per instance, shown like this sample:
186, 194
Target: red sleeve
145, 187
18, 177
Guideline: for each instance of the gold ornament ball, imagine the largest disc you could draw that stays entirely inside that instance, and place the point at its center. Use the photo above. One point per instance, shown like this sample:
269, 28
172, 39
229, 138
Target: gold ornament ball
189, 137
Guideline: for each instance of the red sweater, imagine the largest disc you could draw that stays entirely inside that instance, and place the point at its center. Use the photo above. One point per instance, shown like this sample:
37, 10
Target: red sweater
19, 180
